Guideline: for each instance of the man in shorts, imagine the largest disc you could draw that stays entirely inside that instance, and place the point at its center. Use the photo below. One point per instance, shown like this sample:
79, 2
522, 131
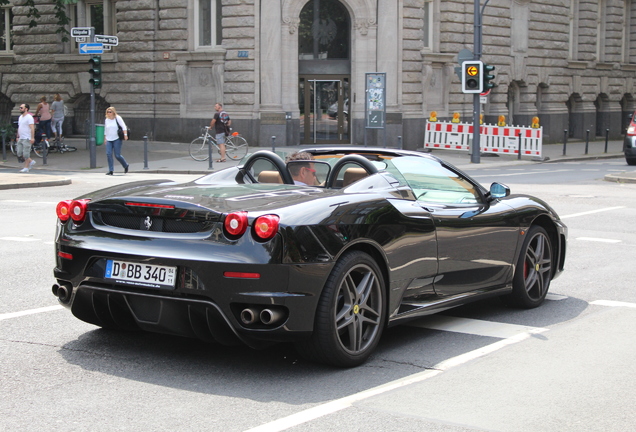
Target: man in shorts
221, 123
26, 137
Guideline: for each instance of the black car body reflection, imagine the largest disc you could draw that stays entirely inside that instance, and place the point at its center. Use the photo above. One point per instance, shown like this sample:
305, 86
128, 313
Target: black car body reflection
381, 237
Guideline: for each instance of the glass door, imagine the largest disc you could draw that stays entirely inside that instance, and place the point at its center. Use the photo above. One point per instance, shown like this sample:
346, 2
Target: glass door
324, 110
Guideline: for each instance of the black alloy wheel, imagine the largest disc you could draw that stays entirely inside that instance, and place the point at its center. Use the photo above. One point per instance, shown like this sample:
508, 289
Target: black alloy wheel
351, 313
534, 270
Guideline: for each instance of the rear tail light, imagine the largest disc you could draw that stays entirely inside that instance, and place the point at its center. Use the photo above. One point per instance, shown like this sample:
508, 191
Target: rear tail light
266, 227
78, 210
235, 224
63, 210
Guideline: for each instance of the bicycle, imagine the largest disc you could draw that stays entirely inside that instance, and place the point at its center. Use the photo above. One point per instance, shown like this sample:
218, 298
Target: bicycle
59, 146
235, 146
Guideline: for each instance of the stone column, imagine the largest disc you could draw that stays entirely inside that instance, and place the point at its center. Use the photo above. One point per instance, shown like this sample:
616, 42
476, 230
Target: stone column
270, 54
388, 47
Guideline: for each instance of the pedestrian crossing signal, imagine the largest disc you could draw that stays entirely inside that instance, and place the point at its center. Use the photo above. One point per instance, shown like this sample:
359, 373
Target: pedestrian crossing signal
472, 73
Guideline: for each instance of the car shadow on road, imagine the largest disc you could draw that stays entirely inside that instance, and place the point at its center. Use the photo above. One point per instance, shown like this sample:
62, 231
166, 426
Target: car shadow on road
278, 373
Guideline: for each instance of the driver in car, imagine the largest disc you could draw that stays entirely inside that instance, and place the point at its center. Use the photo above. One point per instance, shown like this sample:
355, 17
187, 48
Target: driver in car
304, 174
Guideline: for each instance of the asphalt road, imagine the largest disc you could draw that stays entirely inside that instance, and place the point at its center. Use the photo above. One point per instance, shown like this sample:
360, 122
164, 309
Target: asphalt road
566, 366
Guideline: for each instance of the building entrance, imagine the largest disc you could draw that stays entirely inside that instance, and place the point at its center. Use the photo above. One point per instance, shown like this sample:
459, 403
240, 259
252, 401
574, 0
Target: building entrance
324, 109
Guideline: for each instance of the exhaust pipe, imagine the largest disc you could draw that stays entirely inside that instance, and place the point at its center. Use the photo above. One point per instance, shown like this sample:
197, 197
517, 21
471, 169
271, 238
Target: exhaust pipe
249, 316
270, 316
63, 292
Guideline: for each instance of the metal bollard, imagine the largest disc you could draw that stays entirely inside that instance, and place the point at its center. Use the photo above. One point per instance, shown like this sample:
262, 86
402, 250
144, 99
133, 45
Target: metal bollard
400, 142
145, 152
519, 151
587, 140
4, 143
606, 139
565, 140
273, 144
45, 149
210, 154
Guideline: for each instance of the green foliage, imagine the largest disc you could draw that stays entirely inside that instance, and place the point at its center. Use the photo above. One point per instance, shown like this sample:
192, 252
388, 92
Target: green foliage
60, 13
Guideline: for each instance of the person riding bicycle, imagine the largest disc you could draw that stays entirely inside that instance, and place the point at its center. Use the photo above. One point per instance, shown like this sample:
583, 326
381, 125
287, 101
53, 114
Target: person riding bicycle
44, 111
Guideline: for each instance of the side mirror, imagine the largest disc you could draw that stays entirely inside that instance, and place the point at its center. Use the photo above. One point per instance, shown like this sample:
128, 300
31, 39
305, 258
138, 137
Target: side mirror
498, 190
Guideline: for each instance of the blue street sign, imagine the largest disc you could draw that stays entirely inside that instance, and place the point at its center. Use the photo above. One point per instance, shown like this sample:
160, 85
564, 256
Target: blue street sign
91, 48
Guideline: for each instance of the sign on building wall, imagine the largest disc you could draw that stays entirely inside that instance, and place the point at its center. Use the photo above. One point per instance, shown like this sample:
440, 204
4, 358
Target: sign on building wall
375, 112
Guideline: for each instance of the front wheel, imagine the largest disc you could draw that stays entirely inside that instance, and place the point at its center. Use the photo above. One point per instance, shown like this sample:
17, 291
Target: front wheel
236, 147
534, 270
39, 148
350, 316
199, 149
630, 161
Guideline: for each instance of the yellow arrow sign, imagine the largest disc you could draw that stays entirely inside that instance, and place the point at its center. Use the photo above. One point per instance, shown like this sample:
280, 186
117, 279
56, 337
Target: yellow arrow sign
472, 70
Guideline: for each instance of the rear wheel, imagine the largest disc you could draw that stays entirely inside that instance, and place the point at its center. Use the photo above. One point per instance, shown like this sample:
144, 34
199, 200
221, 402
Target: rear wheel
236, 147
351, 313
199, 149
39, 148
534, 270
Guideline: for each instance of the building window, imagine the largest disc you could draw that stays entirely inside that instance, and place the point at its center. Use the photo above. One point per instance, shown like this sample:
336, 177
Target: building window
574, 30
427, 38
600, 31
6, 18
208, 15
93, 13
629, 31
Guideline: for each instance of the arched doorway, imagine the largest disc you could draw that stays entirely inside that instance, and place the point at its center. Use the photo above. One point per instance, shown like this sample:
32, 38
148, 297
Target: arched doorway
324, 66
83, 111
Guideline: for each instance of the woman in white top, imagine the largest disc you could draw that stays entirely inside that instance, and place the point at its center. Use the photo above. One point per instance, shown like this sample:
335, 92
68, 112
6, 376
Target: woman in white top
113, 142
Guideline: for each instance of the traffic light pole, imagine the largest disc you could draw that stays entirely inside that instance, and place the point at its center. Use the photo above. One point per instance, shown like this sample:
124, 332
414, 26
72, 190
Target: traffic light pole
476, 148
91, 143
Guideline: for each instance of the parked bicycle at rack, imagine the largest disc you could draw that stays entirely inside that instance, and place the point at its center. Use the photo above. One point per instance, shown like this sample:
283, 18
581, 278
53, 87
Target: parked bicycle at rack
235, 146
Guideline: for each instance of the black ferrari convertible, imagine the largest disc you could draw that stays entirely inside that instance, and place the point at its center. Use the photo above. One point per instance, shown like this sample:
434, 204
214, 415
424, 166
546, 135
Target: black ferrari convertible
324, 250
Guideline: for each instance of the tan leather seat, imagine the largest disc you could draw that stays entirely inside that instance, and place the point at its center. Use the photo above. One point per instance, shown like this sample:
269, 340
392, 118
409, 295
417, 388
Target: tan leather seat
269, 177
352, 175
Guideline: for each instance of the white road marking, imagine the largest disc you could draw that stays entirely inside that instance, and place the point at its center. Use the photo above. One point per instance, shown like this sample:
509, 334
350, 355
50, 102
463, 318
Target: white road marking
29, 312
613, 303
555, 297
345, 402
524, 173
19, 239
473, 326
592, 212
600, 240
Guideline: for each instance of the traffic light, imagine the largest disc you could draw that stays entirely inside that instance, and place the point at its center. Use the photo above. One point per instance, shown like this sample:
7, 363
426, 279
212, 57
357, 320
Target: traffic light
472, 72
96, 71
488, 77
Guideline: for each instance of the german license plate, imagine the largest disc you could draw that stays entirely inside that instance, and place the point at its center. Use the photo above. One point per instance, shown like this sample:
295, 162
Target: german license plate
145, 275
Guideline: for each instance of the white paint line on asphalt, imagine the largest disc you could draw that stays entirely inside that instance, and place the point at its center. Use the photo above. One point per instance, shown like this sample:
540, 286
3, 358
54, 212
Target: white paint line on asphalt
19, 239
524, 173
6, 316
555, 297
346, 402
472, 326
599, 240
592, 212
613, 303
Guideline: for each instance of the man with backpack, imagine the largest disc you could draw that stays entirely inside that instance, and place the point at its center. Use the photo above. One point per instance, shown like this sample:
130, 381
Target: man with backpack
221, 124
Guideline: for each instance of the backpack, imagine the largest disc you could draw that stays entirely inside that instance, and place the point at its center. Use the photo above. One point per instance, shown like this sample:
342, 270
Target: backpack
225, 119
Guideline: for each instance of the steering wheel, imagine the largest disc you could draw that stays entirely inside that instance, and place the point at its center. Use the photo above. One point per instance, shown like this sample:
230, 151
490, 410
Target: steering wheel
272, 157
350, 159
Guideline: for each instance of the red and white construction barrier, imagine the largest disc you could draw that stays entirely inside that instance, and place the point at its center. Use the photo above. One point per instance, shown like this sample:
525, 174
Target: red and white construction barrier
493, 139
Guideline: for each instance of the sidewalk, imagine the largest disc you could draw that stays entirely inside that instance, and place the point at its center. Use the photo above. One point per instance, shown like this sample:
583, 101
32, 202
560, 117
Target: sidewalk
173, 158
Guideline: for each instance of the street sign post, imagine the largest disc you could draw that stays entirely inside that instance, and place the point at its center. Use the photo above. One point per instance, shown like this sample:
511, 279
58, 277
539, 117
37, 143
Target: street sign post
83, 32
107, 40
91, 48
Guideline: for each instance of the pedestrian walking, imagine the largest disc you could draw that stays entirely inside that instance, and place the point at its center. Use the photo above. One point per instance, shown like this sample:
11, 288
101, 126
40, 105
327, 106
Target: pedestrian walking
44, 111
26, 137
115, 131
57, 120
221, 123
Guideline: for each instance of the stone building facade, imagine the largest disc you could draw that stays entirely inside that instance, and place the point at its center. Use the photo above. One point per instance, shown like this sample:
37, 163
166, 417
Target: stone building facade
296, 69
